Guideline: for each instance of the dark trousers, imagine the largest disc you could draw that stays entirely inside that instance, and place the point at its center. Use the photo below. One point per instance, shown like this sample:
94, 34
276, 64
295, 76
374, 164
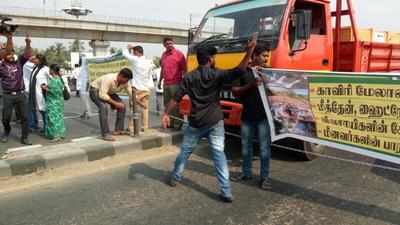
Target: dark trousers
103, 112
44, 118
169, 94
17, 102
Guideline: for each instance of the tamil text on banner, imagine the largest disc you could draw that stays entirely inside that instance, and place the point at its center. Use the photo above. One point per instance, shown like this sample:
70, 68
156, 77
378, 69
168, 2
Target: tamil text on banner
354, 112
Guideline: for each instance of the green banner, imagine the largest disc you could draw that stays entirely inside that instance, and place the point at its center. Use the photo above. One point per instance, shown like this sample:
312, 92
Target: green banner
354, 112
98, 67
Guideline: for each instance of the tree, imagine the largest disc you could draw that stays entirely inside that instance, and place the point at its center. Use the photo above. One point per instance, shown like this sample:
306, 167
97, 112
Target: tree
19, 50
114, 50
58, 54
157, 61
77, 46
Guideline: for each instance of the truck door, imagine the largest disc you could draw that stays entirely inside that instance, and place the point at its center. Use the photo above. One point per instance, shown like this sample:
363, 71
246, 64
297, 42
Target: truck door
316, 52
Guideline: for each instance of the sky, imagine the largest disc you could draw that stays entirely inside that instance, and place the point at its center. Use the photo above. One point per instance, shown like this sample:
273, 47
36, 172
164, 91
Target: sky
382, 15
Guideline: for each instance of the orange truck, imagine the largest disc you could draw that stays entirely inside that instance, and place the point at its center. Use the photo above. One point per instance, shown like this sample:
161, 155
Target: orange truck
299, 34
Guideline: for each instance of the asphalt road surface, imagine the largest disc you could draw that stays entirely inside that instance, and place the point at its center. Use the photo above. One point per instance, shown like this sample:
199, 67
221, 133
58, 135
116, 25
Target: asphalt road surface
132, 190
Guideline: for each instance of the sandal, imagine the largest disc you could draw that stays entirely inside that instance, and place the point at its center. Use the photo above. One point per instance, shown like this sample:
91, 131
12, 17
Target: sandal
108, 138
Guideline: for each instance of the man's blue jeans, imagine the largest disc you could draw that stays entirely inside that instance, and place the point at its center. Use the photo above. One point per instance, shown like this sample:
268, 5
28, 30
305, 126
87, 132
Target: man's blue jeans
248, 129
33, 121
216, 140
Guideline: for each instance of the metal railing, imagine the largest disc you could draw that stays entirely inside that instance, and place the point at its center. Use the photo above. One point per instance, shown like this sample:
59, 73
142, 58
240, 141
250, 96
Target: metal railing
20, 11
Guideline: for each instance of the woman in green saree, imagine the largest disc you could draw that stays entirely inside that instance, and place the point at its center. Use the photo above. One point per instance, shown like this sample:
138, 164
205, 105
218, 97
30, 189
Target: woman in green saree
55, 129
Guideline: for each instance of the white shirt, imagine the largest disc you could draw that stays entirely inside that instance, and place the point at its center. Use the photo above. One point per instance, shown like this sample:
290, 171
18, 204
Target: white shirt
157, 76
83, 78
41, 78
26, 72
142, 71
76, 72
65, 80
75, 75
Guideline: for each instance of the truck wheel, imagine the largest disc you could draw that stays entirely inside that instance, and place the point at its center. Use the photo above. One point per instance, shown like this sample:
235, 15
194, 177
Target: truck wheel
305, 149
310, 148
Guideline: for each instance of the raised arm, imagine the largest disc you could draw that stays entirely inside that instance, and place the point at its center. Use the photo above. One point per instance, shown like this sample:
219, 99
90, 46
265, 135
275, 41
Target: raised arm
28, 52
249, 52
128, 55
9, 44
226, 76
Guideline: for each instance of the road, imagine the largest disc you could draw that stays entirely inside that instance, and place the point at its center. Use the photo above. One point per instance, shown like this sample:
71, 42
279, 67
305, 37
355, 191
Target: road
76, 127
132, 190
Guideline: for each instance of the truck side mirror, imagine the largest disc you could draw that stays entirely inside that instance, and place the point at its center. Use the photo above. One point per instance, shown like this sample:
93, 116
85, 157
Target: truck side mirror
303, 20
301, 30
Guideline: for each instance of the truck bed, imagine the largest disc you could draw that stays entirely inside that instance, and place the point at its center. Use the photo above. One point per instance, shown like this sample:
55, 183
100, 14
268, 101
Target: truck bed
368, 57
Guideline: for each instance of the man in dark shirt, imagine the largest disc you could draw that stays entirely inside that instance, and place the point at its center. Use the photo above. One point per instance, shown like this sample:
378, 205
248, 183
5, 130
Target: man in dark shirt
203, 86
254, 119
12, 82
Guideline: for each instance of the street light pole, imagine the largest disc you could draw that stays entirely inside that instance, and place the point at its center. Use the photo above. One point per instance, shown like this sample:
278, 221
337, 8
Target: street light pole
44, 7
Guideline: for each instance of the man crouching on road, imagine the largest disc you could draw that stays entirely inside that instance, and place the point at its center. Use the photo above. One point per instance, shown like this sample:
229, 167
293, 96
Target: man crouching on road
203, 86
104, 90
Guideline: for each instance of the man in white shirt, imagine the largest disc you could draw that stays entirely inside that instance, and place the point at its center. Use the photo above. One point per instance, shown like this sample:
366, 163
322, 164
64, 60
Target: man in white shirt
27, 71
36, 99
142, 80
75, 76
159, 90
83, 87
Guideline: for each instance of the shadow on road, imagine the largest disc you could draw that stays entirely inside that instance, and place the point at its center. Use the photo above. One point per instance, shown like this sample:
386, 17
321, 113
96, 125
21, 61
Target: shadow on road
162, 177
233, 152
316, 197
366, 210
387, 174
279, 187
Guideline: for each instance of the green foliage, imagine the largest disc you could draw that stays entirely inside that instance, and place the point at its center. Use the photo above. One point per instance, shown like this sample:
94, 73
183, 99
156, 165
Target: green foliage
55, 54
77, 46
157, 61
114, 50
19, 50
58, 54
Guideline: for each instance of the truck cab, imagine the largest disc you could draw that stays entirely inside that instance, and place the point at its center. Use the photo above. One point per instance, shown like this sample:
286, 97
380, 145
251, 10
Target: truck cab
228, 27
298, 35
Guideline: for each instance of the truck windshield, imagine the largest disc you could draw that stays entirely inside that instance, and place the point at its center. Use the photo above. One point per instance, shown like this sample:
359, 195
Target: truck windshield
241, 20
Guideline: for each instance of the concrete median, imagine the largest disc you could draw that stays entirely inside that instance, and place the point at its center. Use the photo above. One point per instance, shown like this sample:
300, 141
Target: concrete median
82, 151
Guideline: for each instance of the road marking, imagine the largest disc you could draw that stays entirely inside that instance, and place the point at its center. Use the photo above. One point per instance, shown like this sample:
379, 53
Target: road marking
83, 139
10, 150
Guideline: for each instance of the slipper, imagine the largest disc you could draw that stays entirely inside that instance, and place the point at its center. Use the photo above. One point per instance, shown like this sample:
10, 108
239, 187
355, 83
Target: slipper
109, 138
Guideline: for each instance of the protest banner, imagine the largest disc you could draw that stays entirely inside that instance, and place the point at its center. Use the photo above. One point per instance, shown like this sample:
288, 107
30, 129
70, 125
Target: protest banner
100, 66
359, 113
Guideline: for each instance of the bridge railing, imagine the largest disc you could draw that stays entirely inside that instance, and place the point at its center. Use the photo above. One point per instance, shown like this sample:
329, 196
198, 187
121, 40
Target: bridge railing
20, 11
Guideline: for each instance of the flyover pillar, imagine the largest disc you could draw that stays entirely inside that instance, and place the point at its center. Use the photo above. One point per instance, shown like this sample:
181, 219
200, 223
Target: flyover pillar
100, 48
